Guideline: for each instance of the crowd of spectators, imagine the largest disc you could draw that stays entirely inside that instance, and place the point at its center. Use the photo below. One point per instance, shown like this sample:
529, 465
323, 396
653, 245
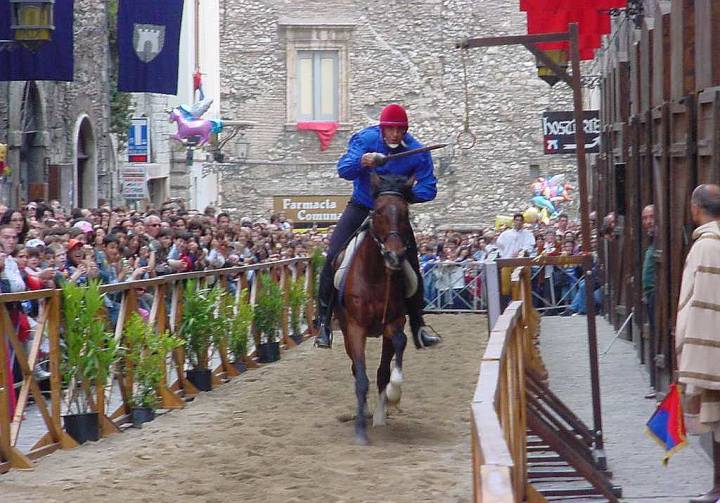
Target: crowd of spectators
43, 245
454, 274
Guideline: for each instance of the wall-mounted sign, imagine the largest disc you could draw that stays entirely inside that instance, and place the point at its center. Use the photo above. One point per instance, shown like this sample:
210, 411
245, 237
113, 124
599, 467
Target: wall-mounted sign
559, 132
307, 210
133, 182
138, 144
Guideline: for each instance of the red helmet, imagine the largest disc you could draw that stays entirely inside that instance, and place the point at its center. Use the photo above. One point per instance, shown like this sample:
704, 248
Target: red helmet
394, 115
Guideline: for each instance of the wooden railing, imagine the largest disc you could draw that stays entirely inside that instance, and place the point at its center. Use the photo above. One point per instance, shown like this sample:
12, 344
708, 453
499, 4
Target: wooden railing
165, 314
499, 454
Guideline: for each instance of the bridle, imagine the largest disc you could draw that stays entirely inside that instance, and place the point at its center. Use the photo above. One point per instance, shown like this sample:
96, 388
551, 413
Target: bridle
380, 241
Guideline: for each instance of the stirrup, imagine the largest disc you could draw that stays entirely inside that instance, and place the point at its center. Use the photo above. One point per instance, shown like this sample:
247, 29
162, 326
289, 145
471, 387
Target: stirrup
324, 337
427, 336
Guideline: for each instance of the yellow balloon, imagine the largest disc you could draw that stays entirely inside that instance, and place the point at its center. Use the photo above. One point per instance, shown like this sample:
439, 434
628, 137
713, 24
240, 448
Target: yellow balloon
503, 221
545, 216
531, 215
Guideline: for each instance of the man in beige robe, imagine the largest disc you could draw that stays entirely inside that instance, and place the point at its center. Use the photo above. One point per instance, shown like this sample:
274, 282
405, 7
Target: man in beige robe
697, 331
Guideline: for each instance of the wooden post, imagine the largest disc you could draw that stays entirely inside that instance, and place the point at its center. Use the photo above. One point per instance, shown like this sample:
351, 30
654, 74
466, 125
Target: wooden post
55, 381
7, 450
254, 287
309, 305
175, 319
285, 285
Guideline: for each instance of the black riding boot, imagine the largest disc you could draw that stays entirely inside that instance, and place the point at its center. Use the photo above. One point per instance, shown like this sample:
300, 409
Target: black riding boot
325, 335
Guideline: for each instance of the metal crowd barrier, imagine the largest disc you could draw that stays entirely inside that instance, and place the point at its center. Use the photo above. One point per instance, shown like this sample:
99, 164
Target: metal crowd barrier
454, 286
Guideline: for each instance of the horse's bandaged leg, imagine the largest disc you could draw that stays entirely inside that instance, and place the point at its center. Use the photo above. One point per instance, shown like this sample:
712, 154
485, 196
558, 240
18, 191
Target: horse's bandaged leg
380, 410
394, 387
362, 383
399, 341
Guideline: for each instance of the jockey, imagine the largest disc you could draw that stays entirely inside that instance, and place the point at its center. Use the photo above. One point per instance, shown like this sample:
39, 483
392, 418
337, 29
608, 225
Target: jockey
389, 137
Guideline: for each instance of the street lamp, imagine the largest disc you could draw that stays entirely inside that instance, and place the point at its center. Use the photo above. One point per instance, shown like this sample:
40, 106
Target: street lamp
560, 58
32, 22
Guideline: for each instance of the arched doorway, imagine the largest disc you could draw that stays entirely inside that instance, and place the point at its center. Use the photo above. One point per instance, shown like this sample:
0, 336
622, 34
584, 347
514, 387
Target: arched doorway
85, 165
32, 172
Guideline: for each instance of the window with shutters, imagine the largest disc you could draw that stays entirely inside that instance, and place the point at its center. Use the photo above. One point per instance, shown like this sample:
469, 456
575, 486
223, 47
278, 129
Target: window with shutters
317, 70
317, 86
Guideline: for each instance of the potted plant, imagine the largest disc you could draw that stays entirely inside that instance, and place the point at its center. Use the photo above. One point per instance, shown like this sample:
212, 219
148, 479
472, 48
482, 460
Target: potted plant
90, 351
239, 324
268, 313
146, 353
296, 300
197, 331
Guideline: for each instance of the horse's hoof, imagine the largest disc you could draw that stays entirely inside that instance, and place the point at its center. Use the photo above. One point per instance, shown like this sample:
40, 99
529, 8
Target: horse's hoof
393, 393
361, 440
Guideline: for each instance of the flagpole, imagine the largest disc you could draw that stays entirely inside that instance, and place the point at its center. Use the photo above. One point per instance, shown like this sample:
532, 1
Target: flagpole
197, 40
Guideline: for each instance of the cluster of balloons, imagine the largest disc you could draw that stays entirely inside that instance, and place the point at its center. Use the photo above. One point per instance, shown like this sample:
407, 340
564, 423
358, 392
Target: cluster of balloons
547, 194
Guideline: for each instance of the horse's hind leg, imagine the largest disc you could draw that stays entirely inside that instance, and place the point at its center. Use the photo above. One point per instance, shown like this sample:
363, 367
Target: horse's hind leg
383, 378
393, 391
355, 347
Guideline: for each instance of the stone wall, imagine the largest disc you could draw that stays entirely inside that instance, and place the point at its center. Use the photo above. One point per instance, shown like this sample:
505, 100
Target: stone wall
399, 52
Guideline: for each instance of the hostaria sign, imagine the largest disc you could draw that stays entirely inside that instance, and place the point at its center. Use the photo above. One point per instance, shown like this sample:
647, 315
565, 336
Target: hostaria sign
305, 211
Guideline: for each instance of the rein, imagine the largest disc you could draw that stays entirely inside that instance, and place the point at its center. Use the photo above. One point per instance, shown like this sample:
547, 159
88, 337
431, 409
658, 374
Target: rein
381, 245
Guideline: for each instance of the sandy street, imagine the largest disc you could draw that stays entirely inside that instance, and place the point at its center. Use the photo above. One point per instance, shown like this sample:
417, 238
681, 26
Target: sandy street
283, 434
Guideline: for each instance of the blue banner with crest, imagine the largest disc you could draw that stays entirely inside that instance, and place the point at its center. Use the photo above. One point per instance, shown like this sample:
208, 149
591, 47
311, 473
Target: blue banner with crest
149, 45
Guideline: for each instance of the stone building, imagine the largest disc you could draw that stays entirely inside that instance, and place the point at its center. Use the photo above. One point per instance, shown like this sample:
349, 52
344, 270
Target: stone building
285, 62
58, 133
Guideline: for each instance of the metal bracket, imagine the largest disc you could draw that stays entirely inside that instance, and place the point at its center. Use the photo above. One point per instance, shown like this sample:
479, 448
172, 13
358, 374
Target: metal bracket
635, 11
218, 168
590, 81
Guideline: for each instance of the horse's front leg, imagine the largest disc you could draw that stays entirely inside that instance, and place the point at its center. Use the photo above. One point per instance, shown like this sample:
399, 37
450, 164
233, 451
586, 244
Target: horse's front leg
355, 347
393, 391
383, 378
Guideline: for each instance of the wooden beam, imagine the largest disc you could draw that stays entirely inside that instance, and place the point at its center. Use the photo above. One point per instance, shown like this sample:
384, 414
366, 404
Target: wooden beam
512, 40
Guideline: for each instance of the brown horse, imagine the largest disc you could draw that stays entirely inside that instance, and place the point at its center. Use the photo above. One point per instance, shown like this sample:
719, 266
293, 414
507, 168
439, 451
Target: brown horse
374, 297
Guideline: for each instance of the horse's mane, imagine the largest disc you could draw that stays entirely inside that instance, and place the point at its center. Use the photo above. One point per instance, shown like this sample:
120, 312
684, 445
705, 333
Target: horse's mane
393, 183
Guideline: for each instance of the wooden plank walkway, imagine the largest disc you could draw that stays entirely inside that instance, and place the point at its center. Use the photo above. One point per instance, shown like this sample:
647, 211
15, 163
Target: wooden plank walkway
633, 458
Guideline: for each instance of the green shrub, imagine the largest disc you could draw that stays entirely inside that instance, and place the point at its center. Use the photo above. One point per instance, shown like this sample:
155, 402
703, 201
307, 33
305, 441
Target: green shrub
240, 323
198, 323
147, 353
296, 299
317, 260
268, 308
90, 350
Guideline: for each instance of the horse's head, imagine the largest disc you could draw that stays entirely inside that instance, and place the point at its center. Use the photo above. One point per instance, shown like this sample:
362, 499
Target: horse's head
174, 115
390, 223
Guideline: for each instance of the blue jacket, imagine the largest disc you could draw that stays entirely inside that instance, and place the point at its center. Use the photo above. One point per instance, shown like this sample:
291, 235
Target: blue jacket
370, 140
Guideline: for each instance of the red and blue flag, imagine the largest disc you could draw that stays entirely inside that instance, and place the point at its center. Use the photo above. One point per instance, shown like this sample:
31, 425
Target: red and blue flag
667, 424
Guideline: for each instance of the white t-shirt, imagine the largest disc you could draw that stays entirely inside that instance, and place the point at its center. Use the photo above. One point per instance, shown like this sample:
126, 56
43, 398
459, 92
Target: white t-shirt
510, 242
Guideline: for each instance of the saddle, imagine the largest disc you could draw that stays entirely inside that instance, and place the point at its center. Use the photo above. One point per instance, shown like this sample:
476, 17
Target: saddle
345, 258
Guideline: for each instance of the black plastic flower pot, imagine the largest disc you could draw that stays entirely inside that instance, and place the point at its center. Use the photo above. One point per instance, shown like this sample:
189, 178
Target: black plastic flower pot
240, 366
268, 352
201, 378
298, 338
142, 415
82, 427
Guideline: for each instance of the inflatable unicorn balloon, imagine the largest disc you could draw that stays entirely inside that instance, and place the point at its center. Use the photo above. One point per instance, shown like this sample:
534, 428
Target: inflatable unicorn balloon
190, 123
